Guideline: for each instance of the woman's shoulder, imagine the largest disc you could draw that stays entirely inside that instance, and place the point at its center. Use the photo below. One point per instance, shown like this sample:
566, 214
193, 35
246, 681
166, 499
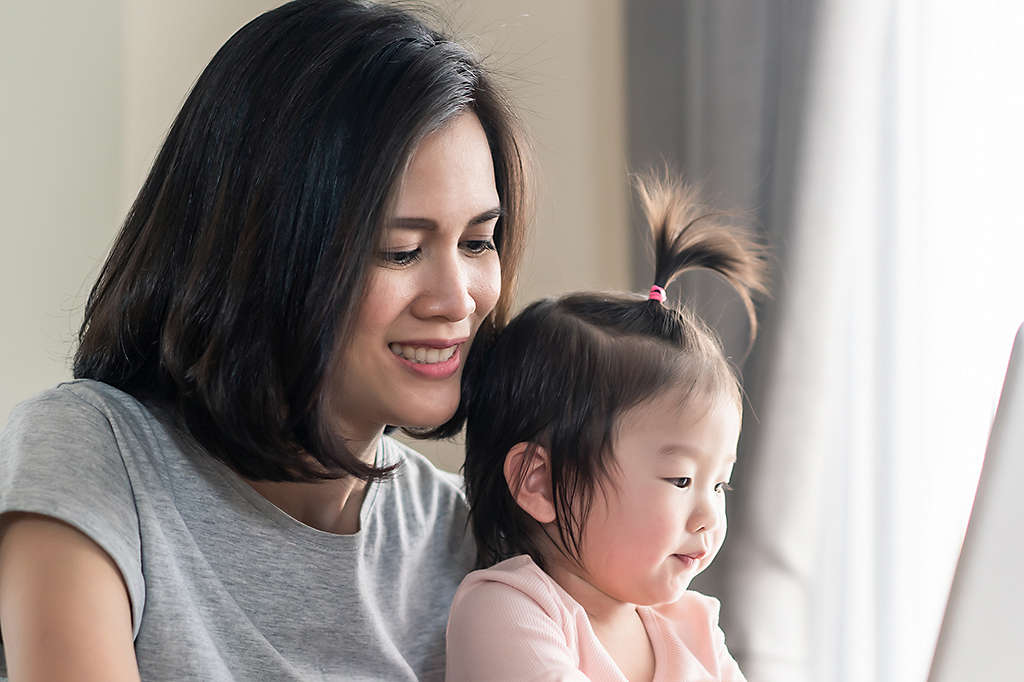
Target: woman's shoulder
63, 456
73, 411
89, 422
418, 477
424, 502
78, 398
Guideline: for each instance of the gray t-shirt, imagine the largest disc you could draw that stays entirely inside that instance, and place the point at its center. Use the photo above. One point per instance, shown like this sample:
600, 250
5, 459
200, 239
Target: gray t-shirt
223, 584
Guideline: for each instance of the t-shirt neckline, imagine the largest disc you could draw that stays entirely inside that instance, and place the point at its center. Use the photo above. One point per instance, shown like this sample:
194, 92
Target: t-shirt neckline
297, 530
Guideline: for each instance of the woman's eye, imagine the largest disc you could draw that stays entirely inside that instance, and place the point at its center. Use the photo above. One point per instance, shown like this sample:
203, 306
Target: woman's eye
400, 257
683, 482
478, 246
723, 487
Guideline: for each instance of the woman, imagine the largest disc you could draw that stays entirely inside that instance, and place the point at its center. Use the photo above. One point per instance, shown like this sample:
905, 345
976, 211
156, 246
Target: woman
337, 209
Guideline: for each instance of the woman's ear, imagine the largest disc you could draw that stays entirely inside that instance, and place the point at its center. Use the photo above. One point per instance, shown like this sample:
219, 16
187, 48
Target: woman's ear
528, 475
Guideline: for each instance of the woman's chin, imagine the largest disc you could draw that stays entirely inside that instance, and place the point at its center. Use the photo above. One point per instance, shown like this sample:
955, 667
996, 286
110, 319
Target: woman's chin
424, 420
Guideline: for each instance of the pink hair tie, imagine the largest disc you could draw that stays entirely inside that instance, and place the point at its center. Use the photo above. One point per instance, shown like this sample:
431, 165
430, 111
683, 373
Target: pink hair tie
657, 294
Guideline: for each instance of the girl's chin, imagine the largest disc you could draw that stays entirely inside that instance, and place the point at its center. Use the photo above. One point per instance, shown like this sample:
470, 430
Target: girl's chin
663, 594
676, 589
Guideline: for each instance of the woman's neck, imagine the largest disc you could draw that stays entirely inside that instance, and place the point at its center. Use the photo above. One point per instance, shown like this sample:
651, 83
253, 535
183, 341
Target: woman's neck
333, 505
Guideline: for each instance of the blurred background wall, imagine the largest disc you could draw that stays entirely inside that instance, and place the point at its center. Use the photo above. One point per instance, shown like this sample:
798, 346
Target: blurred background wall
62, 136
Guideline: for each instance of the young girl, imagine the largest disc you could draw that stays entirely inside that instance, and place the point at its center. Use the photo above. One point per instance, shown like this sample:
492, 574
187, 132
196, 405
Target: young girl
601, 437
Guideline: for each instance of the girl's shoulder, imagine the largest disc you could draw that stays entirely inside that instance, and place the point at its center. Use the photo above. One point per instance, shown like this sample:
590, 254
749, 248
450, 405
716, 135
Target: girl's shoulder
515, 598
519, 572
517, 580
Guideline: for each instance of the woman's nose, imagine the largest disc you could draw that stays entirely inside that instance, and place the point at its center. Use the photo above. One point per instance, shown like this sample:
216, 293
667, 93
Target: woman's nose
446, 292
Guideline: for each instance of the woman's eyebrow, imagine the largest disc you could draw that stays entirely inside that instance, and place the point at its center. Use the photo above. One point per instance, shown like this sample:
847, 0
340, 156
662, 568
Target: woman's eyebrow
488, 215
429, 224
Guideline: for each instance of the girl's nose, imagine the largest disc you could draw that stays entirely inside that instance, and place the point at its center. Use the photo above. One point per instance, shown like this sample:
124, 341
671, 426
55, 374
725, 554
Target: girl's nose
704, 517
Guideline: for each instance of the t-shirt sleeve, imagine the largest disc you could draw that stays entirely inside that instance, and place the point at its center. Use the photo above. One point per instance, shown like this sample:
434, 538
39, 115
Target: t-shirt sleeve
59, 457
497, 632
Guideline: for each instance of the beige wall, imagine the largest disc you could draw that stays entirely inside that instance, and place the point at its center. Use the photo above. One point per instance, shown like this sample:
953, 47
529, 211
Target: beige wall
89, 94
166, 45
60, 156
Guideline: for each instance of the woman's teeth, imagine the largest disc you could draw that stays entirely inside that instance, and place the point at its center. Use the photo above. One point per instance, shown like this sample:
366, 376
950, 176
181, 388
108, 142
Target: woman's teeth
422, 354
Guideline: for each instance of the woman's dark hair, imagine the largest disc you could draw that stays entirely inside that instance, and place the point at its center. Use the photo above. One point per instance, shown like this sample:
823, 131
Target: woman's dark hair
241, 266
564, 370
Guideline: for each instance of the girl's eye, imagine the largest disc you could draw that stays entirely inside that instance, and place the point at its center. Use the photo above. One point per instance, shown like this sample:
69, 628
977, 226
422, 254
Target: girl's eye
683, 482
723, 487
478, 246
401, 257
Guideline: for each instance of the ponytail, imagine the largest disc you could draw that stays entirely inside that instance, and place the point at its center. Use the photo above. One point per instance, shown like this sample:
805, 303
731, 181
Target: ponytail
688, 235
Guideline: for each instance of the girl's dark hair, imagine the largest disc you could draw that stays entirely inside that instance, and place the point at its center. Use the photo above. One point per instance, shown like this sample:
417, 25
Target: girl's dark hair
241, 265
564, 370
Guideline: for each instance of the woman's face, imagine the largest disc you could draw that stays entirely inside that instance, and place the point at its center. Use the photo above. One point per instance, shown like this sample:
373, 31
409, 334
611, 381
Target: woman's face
435, 281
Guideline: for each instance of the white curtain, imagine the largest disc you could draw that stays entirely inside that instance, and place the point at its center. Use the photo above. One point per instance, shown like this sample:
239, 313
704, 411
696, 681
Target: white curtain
898, 290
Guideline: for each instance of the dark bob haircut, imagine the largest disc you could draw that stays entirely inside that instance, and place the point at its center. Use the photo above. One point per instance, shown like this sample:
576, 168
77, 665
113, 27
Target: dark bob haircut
564, 370
241, 265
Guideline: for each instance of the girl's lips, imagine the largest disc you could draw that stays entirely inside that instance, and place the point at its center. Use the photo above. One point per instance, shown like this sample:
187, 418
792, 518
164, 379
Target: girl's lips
690, 560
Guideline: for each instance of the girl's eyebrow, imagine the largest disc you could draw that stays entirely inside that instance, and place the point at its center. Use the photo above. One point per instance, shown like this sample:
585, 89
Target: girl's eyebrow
685, 450
431, 225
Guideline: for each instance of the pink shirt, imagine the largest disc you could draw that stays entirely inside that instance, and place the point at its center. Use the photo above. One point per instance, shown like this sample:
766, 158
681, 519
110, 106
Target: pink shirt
512, 622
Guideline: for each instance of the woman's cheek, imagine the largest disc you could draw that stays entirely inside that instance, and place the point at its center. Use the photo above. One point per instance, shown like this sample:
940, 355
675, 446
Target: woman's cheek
486, 284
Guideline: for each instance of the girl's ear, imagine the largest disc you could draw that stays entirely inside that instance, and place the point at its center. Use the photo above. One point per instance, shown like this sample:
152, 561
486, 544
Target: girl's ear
528, 475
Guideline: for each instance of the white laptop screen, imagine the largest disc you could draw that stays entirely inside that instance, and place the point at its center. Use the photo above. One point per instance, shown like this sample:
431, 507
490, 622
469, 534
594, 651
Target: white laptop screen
982, 636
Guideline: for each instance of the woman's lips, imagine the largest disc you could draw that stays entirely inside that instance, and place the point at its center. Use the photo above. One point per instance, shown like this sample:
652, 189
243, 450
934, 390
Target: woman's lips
432, 359
424, 355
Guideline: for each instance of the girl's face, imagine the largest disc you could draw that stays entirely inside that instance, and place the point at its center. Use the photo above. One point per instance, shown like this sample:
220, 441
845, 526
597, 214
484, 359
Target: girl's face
662, 520
435, 281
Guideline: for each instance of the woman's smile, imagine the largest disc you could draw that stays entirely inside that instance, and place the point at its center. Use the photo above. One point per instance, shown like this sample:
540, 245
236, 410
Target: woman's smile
437, 360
